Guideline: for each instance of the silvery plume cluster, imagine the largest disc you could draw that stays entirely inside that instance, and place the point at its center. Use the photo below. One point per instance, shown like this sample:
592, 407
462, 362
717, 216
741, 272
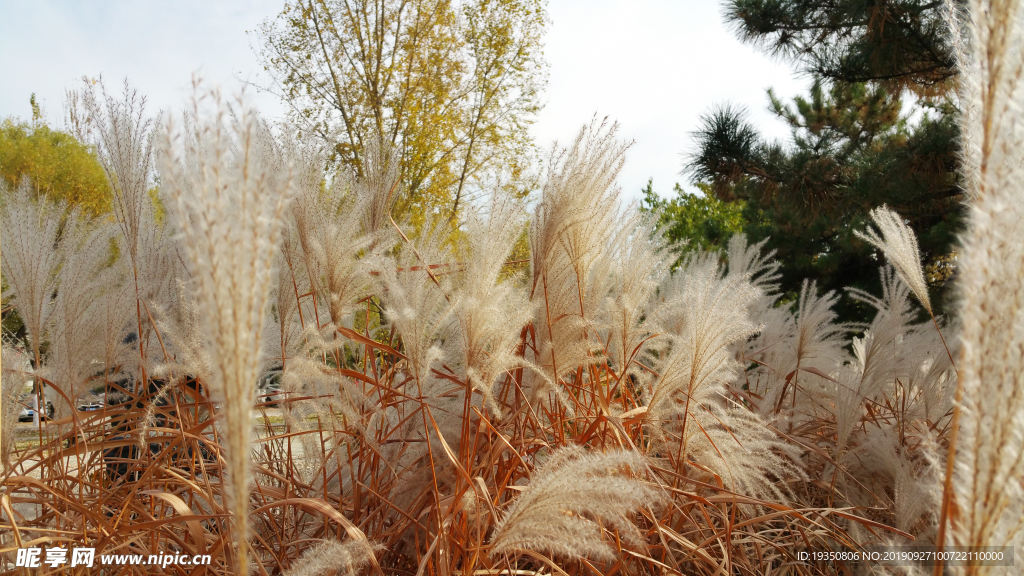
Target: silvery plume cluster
447, 409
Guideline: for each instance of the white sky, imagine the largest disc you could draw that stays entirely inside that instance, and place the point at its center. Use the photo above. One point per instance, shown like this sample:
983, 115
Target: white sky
653, 65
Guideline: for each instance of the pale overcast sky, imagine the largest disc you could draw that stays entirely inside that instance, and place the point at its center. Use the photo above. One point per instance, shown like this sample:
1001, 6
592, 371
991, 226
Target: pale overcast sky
653, 65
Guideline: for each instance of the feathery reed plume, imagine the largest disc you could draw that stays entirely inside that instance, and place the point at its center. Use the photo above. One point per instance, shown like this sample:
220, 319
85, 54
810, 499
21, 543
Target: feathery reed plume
78, 120
325, 392
812, 343
890, 403
571, 499
337, 251
182, 325
874, 351
750, 261
333, 557
124, 145
571, 226
379, 188
704, 316
877, 356
817, 334
884, 460
283, 331
931, 378
283, 340
899, 244
11, 386
116, 315
490, 310
704, 313
956, 16
578, 200
125, 152
230, 201
31, 232
636, 263
420, 310
988, 448
76, 328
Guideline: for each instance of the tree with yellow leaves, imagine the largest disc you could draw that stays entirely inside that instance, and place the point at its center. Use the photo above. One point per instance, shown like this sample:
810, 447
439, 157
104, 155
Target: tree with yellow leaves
55, 163
452, 87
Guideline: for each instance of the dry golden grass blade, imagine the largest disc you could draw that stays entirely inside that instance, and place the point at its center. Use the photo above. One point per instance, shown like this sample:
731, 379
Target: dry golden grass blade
195, 528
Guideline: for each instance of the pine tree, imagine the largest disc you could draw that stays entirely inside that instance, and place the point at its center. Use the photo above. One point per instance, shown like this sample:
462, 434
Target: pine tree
875, 130
900, 43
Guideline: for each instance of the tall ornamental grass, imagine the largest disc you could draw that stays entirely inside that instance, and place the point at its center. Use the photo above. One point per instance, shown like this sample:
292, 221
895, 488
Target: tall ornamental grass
448, 410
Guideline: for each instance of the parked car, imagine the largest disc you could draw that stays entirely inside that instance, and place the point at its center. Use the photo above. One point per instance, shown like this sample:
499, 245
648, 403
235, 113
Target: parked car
28, 413
270, 396
90, 405
268, 390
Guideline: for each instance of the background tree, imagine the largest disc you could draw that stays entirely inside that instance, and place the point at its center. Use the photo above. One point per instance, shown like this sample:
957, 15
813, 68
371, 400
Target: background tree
694, 222
453, 87
878, 127
902, 44
55, 163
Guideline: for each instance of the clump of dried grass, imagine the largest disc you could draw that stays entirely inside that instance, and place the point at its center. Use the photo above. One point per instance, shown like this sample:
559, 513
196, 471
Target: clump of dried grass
423, 386
604, 416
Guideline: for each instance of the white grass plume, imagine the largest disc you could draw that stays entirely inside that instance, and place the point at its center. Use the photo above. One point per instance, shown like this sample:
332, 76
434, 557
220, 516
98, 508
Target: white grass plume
637, 261
379, 188
884, 461
899, 244
571, 227
704, 317
125, 152
422, 313
76, 330
31, 231
11, 387
879, 356
420, 310
326, 392
930, 379
751, 261
491, 313
703, 314
569, 502
182, 326
811, 341
989, 496
123, 137
329, 231
330, 402
578, 201
285, 329
956, 16
818, 336
880, 353
334, 557
230, 202
736, 445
